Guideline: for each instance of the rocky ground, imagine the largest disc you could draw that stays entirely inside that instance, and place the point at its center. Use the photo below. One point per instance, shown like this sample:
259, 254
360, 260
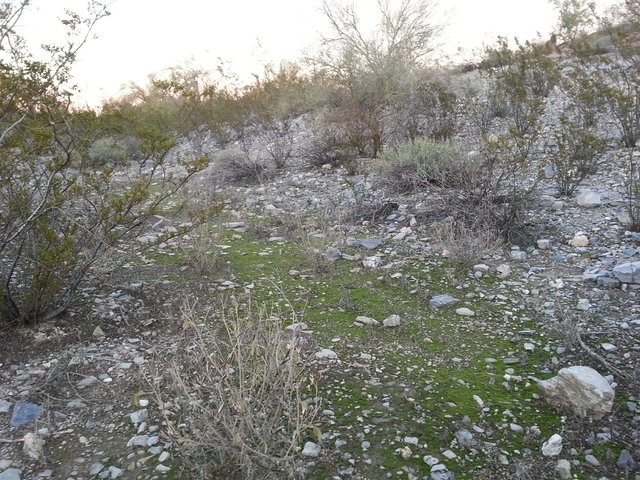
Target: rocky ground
428, 369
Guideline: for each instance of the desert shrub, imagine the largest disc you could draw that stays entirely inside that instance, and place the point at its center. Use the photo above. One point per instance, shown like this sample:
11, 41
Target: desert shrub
238, 165
425, 163
326, 147
58, 214
575, 155
467, 244
113, 151
240, 395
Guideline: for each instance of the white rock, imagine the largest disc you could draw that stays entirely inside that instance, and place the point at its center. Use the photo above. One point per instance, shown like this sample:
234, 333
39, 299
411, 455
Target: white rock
33, 446
553, 446
581, 389
326, 354
579, 240
544, 244
465, 312
563, 469
362, 320
372, 262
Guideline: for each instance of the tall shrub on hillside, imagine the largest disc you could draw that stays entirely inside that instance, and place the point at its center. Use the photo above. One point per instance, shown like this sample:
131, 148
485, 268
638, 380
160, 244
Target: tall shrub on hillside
370, 70
58, 214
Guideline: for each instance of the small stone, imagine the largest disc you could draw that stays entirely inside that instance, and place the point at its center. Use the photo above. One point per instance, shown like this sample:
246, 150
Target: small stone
503, 271
563, 469
86, 382
591, 460
626, 461
516, 428
96, 468
411, 440
518, 255
449, 454
4, 406
553, 446
608, 347
139, 416
544, 244
465, 439
440, 301
311, 449
98, 332
371, 262
138, 441
583, 304
326, 354
162, 469
24, 413
33, 446
392, 321
481, 268
429, 460
115, 472
362, 320
164, 456
465, 312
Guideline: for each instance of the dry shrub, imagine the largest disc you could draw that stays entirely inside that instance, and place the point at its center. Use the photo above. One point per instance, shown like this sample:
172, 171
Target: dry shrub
467, 244
240, 396
201, 250
240, 166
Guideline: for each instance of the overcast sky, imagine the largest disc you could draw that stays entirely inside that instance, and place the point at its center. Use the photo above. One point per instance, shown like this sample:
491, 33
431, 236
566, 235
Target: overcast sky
147, 36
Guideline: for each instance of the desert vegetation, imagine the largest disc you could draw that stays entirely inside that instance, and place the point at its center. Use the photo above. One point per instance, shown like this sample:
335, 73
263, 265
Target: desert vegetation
360, 265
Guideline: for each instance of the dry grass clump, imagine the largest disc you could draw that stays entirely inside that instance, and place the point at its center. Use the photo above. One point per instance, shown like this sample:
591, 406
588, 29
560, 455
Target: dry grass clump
466, 244
201, 250
240, 396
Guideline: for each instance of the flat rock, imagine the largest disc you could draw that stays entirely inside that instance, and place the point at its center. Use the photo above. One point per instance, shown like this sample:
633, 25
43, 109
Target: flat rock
589, 199
440, 301
465, 312
563, 469
326, 354
628, 272
24, 413
367, 243
580, 389
11, 474
392, 321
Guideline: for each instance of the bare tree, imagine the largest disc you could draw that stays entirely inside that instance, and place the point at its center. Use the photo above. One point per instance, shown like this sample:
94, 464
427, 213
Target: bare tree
372, 67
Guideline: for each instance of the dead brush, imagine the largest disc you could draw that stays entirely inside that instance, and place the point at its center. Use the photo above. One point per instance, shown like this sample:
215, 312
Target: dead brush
201, 251
239, 395
464, 243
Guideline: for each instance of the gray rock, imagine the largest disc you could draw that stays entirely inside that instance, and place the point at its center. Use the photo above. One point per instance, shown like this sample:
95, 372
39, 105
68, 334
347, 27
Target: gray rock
589, 199
139, 416
115, 472
553, 446
608, 282
4, 406
86, 382
628, 272
311, 449
367, 243
392, 321
332, 254
24, 413
591, 460
626, 461
440, 472
563, 469
138, 441
440, 301
580, 389
33, 446
518, 255
96, 468
371, 262
465, 439
11, 474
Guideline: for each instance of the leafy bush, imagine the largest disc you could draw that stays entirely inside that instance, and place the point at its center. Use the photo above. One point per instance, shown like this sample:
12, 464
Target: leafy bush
58, 215
425, 163
241, 395
112, 151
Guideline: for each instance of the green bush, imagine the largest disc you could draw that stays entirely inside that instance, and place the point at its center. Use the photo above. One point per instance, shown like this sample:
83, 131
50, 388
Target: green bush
424, 164
112, 151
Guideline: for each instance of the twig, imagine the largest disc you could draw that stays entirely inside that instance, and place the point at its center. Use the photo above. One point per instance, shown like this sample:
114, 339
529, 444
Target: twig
599, 357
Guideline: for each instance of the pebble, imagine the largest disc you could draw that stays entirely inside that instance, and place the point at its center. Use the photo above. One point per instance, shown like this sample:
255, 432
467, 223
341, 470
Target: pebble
311, 449
392, 321
553, 446
465, 312
326, 354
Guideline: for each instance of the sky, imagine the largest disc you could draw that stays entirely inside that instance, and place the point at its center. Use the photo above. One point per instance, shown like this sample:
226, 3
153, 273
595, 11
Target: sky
142, 37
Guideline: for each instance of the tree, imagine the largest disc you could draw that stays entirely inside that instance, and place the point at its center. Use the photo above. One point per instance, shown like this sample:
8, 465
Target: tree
370, 69
58, 214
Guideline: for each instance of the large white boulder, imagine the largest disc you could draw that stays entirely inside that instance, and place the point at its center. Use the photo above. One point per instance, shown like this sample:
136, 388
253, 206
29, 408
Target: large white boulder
580, 389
